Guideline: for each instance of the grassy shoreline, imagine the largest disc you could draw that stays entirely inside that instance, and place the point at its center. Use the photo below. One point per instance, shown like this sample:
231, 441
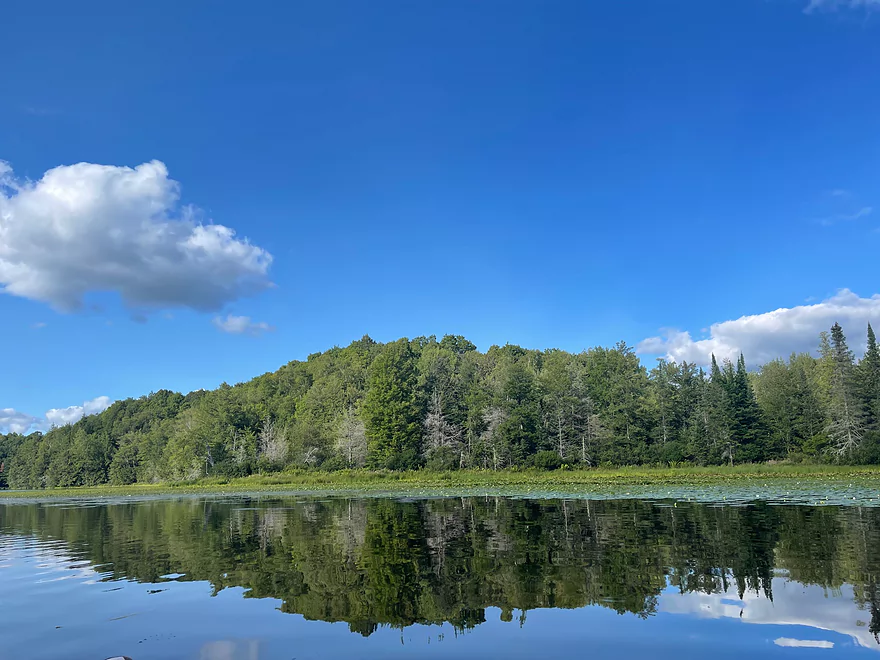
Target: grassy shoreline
415, 481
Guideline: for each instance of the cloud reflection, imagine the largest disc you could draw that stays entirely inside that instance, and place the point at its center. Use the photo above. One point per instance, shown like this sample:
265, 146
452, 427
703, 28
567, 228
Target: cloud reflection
793, 604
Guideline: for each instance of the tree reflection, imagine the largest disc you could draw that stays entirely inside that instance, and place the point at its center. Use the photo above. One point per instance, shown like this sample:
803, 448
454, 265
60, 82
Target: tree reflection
380, 562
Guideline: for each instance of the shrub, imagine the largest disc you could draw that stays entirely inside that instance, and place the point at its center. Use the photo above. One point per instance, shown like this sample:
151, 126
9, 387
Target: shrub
547, 460
441, 459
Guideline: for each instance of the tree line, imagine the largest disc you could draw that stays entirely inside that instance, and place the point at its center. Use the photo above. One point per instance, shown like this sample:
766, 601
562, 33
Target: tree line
375, 562
444, 405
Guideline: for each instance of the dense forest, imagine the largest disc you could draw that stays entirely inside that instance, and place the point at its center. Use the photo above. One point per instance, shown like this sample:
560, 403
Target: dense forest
443, 405
375, 562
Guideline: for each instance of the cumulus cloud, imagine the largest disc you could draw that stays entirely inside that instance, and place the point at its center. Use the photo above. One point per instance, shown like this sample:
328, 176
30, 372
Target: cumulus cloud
763, 337
71, 414
12, 421
84, 228
793, 604
18, 422
241, 325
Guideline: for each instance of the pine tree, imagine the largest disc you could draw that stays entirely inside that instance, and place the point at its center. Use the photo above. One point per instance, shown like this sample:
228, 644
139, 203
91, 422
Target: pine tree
869, 382
846, 427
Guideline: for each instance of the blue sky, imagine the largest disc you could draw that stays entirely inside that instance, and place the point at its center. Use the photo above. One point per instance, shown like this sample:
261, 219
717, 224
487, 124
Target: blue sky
550, 174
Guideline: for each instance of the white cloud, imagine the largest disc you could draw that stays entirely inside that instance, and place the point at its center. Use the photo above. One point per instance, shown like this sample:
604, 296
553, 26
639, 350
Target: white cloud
804, 643
71, 414
763, 337
84, 228
14, 421
793, 604
241, 325
830, 220
835, 5
39, 325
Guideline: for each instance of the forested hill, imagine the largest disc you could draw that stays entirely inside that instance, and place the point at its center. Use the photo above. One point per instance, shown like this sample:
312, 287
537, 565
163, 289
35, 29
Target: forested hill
444, 405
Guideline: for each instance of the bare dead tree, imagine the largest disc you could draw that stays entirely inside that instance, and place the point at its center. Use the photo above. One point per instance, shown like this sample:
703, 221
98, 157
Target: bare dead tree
439, 431
273, 442
351, 438
493, 418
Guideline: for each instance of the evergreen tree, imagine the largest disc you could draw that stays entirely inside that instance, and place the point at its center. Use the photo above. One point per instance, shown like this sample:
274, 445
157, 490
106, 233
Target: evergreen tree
397, 404
664, 400
697, 436
520, 429
869, 381
868, 375
809, 402
748, 426
391, 411
846, 426
719, 422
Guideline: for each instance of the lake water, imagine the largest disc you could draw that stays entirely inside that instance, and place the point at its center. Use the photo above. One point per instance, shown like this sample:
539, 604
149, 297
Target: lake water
235, 578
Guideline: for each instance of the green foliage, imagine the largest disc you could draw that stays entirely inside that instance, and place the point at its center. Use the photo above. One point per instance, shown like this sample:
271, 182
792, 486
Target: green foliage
372, 562
547, 460
391, 409
869, 382
445, 406
846, 424
9, 446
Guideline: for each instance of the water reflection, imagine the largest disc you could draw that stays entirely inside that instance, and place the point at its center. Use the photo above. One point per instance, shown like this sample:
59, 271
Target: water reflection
373, 563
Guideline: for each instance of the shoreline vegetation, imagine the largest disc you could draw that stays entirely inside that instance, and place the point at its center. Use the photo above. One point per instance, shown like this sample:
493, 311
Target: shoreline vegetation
526, 480
407, 410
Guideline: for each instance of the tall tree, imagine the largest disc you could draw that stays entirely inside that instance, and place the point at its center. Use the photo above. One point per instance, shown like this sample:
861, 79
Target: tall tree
558, 402
809, 401
775, 390
391, 410
665, 395
442, 445
520, 429
846, 426
351, 439
869, 381
719, 420
618, 384
748, 425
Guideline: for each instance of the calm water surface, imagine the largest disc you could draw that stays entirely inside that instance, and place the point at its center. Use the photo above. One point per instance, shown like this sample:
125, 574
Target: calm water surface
476, 577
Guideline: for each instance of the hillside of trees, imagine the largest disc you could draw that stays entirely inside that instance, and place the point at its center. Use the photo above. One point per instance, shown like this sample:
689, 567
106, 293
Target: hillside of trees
443, 405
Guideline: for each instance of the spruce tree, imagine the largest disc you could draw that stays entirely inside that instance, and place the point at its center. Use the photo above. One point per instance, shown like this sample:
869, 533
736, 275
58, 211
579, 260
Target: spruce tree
748, 428
869, 382
846, 427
